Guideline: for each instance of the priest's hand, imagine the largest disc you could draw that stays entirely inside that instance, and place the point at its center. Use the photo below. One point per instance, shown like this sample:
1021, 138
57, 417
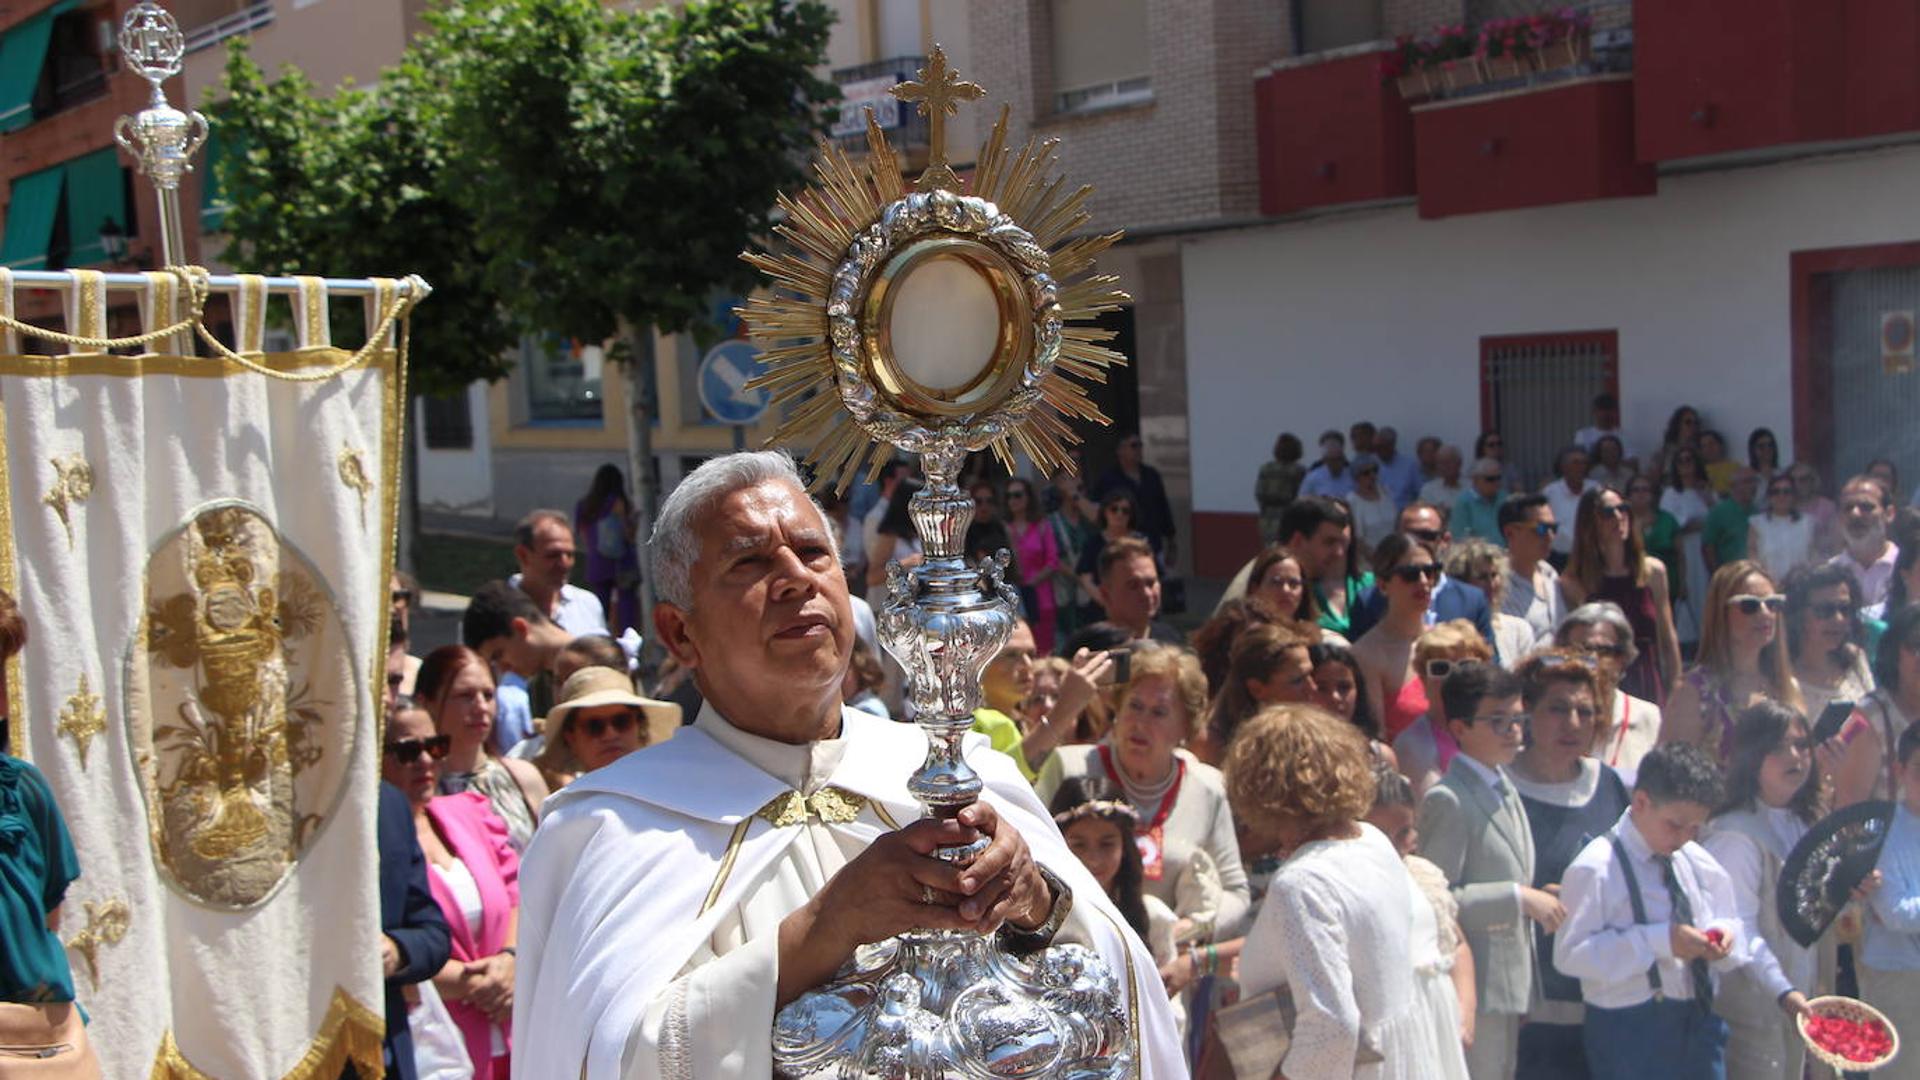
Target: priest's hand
897, 885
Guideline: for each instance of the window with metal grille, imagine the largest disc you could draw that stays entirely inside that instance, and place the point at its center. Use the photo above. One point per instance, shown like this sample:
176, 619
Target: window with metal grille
449, 422
1536, 390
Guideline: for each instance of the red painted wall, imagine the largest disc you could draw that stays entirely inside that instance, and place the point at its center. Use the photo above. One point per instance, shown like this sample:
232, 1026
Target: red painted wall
1223, 542
1331, 133
1714, 76
1560, 143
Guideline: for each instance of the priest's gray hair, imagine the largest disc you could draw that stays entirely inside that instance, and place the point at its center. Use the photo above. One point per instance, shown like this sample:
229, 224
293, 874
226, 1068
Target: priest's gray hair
675, 543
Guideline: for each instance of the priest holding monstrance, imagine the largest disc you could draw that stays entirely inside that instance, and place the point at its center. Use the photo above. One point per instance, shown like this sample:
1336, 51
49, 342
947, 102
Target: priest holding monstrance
789, 885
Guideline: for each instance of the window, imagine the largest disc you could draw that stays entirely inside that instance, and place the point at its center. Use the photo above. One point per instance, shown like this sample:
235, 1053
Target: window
23, 63
1334, 24
73, 72
1536, 390
54, 216
1101, 55
562, 380
449, 421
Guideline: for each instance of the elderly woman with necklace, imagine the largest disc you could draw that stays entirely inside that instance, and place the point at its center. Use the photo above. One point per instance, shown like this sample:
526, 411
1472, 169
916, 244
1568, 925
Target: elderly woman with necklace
1181, 801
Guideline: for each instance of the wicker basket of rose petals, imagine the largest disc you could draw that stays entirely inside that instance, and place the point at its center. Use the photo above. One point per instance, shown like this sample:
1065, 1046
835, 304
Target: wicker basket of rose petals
1849, 1035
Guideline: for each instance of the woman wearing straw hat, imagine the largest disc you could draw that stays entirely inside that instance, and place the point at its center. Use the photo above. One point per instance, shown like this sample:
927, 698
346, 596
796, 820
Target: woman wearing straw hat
599, 720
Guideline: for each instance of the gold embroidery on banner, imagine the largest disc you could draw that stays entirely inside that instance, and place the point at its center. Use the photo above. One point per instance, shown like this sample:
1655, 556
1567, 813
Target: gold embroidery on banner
72, 484
1133, 992
82, 718
107, 922
314, 331
350, 1033
353, 473
833, 805
243, 668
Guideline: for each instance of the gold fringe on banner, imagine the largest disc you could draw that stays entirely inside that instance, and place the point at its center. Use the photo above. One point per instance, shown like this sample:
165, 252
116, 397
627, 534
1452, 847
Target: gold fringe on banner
310, 314
250, 315
350, 1032
86, 307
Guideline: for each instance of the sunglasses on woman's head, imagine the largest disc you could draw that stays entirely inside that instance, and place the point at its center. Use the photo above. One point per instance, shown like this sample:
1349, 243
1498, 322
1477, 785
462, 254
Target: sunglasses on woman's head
1750, 605
406, 750
597, 726
1413, 572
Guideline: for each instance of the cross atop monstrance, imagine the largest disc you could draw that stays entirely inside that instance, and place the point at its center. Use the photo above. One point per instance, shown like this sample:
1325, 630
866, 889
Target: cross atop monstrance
937, 95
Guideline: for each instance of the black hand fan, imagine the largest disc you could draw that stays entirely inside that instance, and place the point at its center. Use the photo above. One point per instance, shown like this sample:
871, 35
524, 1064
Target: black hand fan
1823, 869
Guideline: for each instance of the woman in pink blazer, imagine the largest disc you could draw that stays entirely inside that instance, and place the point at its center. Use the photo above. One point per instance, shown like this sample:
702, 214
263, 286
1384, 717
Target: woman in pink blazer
475, 878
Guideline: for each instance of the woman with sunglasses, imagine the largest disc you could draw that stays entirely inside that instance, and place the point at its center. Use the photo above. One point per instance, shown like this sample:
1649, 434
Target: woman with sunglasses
1628, 726
1492, 446
1743, 661
1689, 498
1406, 573
1780, 537
474, 873
1037, 555
1774, 793
1867, 766
456, 689
1659, 532
597, 721
1426, 747
1763, 454
1824, 633
1609, 563
1485, 567
1118, 512
1570, 798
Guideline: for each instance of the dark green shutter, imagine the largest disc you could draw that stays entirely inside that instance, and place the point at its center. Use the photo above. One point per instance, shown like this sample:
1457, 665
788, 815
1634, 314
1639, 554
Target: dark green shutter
31, 210
23, 52
96, 191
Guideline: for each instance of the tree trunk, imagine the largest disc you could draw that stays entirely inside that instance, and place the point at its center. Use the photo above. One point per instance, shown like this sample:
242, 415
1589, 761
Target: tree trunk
643, 405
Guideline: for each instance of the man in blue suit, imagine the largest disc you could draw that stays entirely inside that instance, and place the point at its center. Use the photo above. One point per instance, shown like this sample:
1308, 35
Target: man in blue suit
415, 940
1452, 598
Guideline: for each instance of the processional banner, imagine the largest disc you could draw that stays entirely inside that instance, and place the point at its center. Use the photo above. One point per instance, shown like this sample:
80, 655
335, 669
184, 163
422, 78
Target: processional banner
201, 548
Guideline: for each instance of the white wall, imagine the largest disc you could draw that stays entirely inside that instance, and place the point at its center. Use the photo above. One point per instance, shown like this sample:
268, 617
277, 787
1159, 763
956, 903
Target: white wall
1377, 314
457, 481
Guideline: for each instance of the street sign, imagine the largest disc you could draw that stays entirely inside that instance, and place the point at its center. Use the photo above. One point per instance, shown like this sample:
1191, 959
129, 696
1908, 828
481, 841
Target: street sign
724, 372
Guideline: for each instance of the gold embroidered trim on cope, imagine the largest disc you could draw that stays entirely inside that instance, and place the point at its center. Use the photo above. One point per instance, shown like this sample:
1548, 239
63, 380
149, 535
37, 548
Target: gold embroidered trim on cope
1133, 990
835, 806
726, 864
107, 922
353, 473
351, 1032
72, 483
82, 719
880, 811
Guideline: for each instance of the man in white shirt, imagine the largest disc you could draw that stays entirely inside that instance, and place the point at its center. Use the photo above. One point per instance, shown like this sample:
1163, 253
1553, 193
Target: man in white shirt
1651, 920
1533, 586
1606, 421
1866, 514
1445, 489
543, 546
1330, 478
672, 902
1399, 473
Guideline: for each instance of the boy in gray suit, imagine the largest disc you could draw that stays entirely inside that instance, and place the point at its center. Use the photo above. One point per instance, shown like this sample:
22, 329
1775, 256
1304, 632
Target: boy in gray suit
1473, 826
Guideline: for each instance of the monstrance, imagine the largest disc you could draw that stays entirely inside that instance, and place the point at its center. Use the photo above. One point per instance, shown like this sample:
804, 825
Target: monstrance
939, 315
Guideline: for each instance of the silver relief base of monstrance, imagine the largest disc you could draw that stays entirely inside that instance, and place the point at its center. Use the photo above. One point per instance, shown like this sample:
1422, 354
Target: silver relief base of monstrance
935, 320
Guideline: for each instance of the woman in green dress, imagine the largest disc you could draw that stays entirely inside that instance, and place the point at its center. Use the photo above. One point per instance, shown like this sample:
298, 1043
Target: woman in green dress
1659, 530
38, 1018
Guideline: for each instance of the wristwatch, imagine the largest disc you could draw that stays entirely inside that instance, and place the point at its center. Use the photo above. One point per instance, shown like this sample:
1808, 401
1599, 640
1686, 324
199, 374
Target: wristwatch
1020, 941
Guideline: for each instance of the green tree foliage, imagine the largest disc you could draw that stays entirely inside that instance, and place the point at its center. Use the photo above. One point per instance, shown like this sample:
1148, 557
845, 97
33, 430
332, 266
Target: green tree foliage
553, 165
348, 184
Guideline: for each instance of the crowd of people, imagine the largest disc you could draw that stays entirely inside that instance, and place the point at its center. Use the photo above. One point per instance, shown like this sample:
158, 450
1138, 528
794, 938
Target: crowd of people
1481, 781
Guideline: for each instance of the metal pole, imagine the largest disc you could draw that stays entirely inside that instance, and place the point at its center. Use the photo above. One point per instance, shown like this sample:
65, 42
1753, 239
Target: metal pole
160, 138
60, 281
739, 437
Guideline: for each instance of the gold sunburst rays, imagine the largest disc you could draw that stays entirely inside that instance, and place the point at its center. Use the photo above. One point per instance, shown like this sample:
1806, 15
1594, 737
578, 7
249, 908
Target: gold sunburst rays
816, 356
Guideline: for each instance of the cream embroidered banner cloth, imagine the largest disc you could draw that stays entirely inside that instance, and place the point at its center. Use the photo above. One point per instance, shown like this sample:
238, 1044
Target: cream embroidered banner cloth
201, 551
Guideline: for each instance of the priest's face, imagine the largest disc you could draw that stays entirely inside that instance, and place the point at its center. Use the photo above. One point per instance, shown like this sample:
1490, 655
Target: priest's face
770, 632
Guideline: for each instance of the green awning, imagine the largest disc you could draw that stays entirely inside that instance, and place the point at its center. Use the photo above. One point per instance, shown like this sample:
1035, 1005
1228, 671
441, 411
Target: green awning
23, 51
30, 214
96, 191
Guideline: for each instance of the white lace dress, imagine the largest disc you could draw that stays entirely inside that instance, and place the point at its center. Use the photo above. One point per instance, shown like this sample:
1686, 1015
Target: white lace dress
1435, 937
1335, 931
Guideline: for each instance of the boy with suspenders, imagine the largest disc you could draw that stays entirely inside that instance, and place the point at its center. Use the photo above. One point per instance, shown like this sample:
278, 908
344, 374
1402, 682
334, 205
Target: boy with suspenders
1650, 919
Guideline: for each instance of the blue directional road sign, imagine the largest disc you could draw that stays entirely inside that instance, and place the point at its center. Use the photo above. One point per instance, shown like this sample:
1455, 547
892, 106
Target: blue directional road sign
724, 372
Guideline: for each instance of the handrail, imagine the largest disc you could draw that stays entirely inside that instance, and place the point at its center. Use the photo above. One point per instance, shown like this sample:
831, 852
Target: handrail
58, 281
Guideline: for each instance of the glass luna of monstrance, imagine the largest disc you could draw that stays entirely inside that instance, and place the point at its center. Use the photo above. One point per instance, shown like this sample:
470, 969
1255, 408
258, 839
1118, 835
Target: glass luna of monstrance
937, 320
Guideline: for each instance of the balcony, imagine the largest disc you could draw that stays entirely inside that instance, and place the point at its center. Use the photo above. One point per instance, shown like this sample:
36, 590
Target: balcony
245, 21
1720, 76
865, 86
1556, 143
1330, 131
